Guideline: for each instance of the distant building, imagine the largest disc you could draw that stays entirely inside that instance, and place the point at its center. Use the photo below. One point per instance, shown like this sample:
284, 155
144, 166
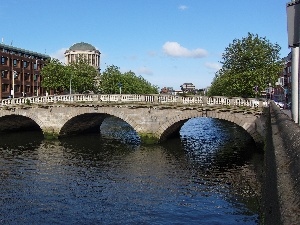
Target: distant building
188, 88
283, 89
85, 50
20, 72
167, 90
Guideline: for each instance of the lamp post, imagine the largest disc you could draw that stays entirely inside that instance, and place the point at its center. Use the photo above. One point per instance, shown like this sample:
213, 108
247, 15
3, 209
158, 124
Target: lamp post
37, 85
12, 91
293, 19
14, 73
70, 84
120, 87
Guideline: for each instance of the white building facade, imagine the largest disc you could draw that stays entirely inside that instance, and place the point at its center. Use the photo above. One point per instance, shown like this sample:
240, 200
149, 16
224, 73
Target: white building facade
84, 50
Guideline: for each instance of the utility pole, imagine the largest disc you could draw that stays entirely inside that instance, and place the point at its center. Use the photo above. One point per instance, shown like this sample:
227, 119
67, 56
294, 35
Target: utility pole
120, 87
293, 24
12, 91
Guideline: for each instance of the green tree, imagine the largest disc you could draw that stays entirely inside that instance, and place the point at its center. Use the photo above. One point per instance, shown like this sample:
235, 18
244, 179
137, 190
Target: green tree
111, 78
83, 77
79, 74
246, 63
53, 74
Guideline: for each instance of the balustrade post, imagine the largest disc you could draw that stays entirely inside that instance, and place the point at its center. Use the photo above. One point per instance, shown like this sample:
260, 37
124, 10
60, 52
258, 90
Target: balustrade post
156, 98
179, 100
231, 101
204, 99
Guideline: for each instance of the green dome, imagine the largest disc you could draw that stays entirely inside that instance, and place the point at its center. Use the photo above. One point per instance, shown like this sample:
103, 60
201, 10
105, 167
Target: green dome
82, 46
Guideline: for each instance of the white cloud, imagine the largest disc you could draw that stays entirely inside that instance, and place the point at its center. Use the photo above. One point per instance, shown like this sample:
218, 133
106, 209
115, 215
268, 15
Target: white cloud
213, 66
144, 70
59, 54
182, 7
174, 49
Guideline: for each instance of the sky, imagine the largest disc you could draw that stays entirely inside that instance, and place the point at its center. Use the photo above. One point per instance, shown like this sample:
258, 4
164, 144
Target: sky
167, 42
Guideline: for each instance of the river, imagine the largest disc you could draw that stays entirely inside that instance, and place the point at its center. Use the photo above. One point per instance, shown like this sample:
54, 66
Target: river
210, 175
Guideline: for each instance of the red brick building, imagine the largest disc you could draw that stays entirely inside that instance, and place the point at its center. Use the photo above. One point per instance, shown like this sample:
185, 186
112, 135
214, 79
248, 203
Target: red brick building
283, 89
20, 72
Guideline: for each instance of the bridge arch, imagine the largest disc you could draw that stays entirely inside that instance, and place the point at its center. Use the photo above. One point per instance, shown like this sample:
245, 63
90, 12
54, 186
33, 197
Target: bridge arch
154, 123
18, 122
173, 124
87, 120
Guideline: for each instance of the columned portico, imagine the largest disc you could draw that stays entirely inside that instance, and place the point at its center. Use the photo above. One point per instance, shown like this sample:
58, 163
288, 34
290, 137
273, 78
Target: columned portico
84, 50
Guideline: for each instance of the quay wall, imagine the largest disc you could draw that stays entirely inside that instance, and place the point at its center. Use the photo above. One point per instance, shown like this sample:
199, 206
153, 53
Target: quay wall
281, 189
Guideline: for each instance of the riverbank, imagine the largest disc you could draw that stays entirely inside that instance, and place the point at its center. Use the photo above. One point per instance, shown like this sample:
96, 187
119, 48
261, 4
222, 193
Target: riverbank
281, 192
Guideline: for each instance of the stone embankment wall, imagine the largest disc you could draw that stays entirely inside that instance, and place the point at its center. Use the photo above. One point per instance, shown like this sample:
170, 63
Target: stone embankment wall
281, 194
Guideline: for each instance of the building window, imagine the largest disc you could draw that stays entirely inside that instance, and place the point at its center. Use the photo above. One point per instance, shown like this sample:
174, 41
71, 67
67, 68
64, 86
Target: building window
26, 77
35, 66
4, 87
3, 60
4, 74
27, 89
25, 64
15, 62
17, 88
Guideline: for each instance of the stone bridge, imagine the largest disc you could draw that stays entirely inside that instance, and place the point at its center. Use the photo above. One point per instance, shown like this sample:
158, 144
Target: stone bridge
155, 118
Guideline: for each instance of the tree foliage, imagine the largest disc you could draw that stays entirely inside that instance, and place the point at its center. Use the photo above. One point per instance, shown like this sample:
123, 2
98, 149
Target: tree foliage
81, 76
112, 79
246, 63
84, 77
53, 74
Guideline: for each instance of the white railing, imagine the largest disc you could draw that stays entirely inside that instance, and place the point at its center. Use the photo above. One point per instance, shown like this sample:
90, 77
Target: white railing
136, 98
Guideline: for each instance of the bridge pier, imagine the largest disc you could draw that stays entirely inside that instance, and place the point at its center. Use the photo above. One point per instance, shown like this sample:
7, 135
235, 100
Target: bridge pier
148, 138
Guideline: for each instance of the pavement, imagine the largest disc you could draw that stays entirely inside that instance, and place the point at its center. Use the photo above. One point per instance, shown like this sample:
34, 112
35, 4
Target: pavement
287, 112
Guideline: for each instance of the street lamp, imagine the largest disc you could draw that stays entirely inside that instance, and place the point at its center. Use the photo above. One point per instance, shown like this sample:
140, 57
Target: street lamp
120, 87
37, 85
14, 75
70, 84
293, 19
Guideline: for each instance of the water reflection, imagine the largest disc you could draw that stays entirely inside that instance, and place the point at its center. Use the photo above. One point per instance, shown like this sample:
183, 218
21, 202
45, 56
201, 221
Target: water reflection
94, 179
23, 140
117, 129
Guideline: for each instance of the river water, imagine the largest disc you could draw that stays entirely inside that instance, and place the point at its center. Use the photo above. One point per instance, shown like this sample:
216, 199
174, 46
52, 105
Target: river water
210, 175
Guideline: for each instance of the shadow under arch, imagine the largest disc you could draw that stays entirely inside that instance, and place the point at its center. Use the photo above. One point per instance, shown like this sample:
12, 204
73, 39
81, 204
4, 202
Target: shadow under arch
173, 131
82, 124
13, 123
108, 126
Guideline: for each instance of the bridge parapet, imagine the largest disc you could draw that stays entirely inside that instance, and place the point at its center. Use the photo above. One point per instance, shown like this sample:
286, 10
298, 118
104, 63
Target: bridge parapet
141, 99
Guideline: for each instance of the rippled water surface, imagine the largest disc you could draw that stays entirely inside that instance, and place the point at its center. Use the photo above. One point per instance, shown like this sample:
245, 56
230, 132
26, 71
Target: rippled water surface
209, 176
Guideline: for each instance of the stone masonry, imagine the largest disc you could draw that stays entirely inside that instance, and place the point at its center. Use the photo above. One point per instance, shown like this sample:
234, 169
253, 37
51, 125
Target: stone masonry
158, 122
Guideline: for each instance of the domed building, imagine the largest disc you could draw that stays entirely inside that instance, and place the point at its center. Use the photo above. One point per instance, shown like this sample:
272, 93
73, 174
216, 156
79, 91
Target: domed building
85, 50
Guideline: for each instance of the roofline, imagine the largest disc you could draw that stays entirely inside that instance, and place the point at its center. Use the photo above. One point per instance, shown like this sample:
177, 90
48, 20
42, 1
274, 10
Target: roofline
9, 47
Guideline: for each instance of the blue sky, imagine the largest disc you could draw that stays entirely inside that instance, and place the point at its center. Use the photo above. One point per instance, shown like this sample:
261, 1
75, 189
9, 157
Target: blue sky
168, 42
